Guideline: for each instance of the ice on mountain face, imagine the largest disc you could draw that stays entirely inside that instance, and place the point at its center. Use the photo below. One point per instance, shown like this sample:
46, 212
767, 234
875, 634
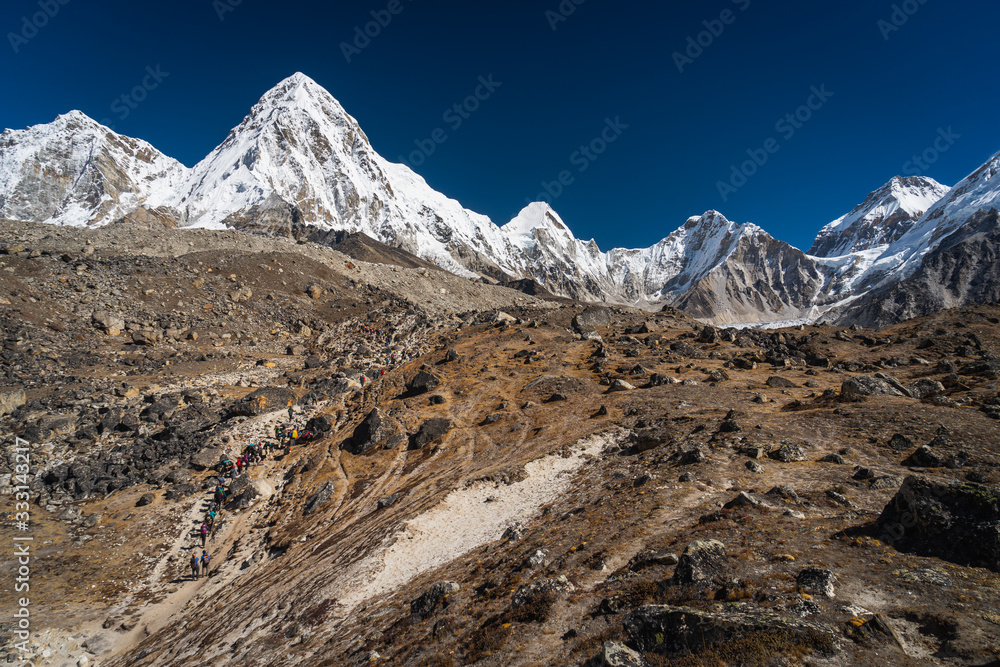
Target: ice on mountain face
75, 171
881, 219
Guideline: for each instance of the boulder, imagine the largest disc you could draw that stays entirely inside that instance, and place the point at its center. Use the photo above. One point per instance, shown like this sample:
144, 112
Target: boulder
433, 597
422, 383
925, 457
590, 319
648, 438
375, 431
614, 654
501, 318
816, 581
206, 458
108, 323
319, 498
262, 401
957, 522
744, 499
11, 398
863, 386
430, 431
676, 632
925, 388
528, 593
777, 382
620, 385
389, 501
701, 561
257, 489
788, 453
145, 499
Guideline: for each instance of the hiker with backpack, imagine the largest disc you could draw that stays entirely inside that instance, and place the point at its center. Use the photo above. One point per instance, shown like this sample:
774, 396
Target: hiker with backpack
195, 565
204, 534
206, 559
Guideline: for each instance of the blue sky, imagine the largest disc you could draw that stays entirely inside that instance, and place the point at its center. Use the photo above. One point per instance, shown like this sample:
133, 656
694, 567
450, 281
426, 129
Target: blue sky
891, 78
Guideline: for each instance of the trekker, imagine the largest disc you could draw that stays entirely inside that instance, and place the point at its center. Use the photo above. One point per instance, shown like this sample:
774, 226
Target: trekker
204, 534
289, 413
195, 565
206, 559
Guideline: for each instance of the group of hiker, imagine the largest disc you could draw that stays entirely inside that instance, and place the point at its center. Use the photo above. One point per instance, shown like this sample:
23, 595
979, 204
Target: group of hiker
254, 453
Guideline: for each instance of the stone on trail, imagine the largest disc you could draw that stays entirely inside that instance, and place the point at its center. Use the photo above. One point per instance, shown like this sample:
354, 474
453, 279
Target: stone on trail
614, 654
701, 560
206, 458
816, 581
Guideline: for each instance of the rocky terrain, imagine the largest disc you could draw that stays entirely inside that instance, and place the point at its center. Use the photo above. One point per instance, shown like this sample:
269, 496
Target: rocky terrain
532, 481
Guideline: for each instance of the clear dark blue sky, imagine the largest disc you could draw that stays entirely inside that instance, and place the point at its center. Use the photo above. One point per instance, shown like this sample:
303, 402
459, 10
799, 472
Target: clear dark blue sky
606, 60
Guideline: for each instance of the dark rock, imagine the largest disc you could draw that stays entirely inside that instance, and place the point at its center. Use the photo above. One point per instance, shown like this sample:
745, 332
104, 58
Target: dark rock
875, 630
701, 560
900, 442
676, 632
958, 522
744, 499
181, 491
374, 431
925, 388
786, 492
436, 400
422, 383
885, 482
389, 501
320, 498
437, 595
777, 382
833, 458
263, 400
696, 455
924, 457
319, 425
146, 499
430, 431
590, 319
755, 467
730, 426
312, 361
649, 438
687, 478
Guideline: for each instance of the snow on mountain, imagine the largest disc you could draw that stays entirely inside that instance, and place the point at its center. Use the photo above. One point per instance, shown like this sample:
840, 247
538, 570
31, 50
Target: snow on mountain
884, 216
299, 146
74, 171
299, 165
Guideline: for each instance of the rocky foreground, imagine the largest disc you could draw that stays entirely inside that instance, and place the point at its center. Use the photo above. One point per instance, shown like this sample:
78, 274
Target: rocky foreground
531, 482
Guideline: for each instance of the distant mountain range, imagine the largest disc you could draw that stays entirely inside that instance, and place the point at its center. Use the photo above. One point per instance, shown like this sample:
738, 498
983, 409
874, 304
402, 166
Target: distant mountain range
298, 164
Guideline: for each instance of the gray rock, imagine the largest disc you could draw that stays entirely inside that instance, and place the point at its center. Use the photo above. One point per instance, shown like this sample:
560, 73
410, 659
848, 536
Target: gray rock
526, 594
320, 498
816, 581
650, 438
108, 323
590, 319
206, 458
620, 385
925, 457
437, 595
744, 499
262, 401
389, 501
778, 382
788, 453
614, 654
755, 467
11, 398
925, 388
146, 499
861, 387
701, 560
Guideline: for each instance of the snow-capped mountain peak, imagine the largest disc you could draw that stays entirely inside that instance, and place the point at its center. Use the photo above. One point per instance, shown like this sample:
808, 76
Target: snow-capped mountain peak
75, 171
885, 216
